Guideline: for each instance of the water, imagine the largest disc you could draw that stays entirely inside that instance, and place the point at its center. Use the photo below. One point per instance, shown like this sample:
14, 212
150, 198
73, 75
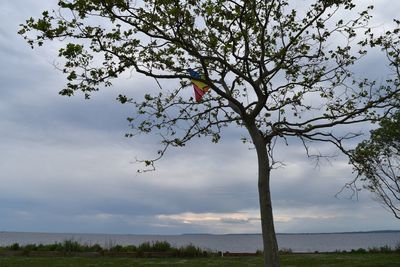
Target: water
231, 243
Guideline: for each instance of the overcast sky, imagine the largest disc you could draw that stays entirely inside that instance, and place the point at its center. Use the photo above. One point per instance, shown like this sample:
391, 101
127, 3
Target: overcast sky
65, 165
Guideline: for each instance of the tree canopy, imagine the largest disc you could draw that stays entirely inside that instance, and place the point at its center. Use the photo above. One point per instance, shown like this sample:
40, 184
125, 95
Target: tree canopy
274, 69
377, 162
261, 59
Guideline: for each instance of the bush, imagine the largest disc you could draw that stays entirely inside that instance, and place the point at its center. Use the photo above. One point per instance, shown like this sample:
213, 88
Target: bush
95, 248
358, 251
72, 246
260, 252
117, 248
144, 247
30, 247
386, 249
383, 249
14, 246
130, 248
161, 246
286, 251
191, 251
397, 248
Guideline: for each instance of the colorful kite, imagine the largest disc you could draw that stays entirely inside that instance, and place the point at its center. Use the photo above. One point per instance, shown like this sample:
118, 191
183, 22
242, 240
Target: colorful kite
200, 88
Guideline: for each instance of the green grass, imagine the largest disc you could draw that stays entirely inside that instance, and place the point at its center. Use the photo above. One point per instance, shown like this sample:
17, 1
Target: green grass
342, 260
291, 260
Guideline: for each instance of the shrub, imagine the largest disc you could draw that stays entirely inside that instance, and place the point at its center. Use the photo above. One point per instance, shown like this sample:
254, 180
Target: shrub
95, 248
14, 246
117, 248
359, 251
144, 247
397, 247
161, 246
30, 247
191, 251
383, 249
386, 249
286, 251
72, 246
260, 252
131, 248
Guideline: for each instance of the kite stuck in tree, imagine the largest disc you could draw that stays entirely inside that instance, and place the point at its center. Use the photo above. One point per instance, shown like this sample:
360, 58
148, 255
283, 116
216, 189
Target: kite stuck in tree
199, 87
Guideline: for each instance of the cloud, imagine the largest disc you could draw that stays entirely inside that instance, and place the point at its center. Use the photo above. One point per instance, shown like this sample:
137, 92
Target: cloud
206, 218
236, 222
66, 167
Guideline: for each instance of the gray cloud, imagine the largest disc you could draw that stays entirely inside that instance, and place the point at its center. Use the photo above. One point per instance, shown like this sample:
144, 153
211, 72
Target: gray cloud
66, 167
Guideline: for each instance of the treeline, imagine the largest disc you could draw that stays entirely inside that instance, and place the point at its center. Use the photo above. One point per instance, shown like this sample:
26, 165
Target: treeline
147, 249
382, 249
70, 247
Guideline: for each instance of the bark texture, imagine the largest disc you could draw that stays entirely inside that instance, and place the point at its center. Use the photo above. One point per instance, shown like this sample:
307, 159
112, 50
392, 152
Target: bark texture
270, 244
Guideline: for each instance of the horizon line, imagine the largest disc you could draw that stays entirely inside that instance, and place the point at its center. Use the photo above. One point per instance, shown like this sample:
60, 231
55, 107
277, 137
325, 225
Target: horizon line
216, 234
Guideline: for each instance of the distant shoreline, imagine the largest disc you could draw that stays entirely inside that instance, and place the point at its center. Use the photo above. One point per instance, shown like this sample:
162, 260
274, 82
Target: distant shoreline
210, 234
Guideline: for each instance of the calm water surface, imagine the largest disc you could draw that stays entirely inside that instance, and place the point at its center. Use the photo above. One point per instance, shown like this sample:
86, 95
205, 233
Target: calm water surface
232, 243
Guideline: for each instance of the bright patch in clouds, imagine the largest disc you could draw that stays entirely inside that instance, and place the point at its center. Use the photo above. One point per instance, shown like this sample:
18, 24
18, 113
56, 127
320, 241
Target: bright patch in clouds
201, 218
249, 219
209, 222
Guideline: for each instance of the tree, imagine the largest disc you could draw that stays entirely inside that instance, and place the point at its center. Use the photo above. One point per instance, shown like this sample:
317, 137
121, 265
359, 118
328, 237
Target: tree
278, 72
377, 160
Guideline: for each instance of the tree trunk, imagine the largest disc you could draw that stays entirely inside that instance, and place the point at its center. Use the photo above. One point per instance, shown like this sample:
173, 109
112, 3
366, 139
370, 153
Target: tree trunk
271, 255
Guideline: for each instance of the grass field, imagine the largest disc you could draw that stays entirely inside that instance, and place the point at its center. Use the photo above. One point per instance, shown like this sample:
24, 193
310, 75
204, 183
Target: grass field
292, 260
